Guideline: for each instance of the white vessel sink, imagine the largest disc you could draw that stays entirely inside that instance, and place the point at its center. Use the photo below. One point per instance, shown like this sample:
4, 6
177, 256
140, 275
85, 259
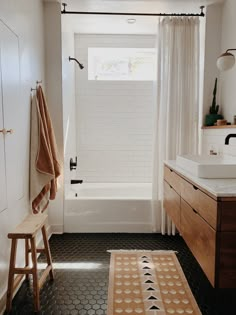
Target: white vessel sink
208, 166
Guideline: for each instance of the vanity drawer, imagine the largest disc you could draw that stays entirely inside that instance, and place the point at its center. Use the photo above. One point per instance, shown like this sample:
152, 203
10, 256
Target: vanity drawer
201, 239
173, 179
172, 204
201, 202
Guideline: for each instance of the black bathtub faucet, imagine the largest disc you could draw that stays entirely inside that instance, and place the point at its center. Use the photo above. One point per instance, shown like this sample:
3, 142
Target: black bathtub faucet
73, 164
231, 135
76, 181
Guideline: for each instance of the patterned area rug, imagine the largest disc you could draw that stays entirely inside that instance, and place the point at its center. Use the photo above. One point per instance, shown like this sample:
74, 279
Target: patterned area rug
148, 283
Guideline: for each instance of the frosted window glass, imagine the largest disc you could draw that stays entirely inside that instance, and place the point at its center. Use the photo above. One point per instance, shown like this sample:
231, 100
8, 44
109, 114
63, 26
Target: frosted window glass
126, 64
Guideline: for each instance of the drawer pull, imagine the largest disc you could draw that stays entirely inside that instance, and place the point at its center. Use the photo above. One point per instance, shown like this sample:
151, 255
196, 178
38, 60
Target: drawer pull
170, 186
171, 170
195, 211
195, 187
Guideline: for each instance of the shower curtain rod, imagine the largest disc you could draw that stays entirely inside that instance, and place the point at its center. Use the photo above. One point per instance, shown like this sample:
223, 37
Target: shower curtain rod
201, 14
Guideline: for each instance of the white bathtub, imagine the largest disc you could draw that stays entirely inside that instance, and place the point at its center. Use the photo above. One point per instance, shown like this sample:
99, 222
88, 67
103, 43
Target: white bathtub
109, 207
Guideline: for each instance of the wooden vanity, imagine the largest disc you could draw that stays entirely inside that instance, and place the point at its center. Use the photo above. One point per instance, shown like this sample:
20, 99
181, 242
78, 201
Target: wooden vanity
206, 221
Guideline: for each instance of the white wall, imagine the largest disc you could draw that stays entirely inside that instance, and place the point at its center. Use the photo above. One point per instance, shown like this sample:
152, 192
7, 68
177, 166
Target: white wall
114, 118
214, 139
228, 78
25, 18
212, 51
53, 76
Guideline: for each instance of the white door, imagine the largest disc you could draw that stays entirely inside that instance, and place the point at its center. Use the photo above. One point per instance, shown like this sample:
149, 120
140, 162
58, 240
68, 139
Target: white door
3, 190
10, 73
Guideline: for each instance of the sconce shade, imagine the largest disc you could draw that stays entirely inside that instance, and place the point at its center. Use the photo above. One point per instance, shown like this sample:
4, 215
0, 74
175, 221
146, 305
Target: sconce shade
225, 62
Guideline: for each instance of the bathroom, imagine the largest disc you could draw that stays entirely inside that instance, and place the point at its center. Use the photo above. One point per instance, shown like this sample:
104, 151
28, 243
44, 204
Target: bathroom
109, 126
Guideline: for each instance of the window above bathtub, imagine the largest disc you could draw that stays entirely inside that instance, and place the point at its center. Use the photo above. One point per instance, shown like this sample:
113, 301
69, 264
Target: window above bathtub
121, 64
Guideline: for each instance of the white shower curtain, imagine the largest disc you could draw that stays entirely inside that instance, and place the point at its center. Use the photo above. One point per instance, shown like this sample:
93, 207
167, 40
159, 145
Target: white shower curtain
176, 112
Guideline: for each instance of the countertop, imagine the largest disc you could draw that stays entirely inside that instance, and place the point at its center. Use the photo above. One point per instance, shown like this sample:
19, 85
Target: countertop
218, 187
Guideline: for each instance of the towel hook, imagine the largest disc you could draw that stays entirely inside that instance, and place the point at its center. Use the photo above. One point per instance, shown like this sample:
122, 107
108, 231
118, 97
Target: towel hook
37, 83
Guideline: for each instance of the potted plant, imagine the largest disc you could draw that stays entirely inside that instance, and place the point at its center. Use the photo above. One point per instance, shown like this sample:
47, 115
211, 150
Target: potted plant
213, 116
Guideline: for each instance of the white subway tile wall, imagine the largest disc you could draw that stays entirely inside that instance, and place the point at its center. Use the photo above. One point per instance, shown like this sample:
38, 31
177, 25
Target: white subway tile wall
114, 118
214, 139
69, 111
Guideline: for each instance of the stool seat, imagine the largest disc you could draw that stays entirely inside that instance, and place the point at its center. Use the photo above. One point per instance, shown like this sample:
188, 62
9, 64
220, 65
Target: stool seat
27, 230
29, 227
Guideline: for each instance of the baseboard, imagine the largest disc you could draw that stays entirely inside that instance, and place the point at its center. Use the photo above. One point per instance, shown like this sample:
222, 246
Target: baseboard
3, 299
57, 229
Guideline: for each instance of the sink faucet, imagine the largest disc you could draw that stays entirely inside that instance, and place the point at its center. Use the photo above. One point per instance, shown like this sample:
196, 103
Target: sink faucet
231, 135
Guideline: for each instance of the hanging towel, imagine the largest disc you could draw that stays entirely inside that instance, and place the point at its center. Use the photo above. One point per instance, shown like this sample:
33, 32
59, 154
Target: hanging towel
44, 165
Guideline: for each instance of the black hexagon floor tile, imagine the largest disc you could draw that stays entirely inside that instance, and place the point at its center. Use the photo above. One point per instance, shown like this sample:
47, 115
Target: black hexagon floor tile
82, 268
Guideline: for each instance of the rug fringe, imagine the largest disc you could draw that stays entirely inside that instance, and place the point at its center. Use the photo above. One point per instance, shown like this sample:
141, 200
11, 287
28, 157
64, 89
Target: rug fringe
141, 250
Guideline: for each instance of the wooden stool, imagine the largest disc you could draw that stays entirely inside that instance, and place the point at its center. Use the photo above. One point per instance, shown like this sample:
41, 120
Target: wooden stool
27, 230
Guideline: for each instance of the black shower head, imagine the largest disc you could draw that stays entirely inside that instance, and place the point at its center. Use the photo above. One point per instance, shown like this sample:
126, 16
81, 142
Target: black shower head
80, 64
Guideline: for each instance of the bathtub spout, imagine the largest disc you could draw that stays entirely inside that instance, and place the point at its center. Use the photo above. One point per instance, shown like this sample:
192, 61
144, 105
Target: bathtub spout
76, 181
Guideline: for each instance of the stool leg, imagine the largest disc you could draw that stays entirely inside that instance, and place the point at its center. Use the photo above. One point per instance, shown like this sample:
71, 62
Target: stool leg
26, 256
35, 275
11, 274
47, 251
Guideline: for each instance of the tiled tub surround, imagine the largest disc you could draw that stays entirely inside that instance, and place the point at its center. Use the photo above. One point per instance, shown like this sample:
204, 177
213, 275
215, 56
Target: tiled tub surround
204, 211
108, 207
214, 139
114, 128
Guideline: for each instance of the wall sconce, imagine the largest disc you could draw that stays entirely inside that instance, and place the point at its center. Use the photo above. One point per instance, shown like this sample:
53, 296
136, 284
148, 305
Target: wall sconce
226, 61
